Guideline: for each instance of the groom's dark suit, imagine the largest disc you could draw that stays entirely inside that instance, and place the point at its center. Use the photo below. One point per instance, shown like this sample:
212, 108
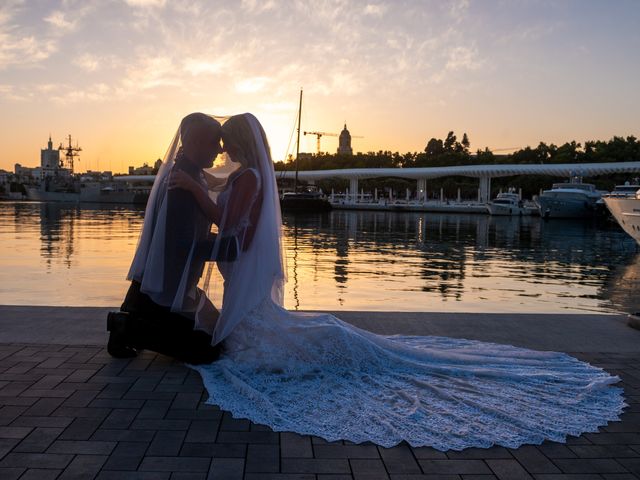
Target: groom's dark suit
155, 327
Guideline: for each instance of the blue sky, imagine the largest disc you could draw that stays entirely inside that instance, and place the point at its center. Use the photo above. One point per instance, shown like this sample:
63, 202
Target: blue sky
119, 75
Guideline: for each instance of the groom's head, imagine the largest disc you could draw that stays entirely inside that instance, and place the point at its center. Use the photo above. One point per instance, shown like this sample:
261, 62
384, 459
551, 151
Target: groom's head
200, 137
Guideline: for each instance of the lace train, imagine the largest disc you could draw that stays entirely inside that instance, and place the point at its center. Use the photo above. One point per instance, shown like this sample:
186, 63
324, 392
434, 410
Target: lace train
314, 374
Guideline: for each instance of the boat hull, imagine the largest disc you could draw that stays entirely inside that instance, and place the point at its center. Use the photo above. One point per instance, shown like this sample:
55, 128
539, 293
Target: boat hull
88, 196
44, 196
506, 210
295, 204
626, 211
556, 207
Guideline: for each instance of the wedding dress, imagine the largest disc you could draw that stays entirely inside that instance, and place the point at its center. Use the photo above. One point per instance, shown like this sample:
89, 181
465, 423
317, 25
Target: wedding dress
314, 374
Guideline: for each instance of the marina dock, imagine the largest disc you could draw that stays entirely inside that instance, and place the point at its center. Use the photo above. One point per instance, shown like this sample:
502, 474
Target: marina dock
69, 410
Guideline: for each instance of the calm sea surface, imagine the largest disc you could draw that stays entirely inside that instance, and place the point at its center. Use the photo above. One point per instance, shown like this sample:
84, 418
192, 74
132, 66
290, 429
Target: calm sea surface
56, 254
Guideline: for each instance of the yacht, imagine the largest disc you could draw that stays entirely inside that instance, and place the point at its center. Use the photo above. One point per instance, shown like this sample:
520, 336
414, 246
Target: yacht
626, 190
626, 211
569, 200
307, 199
507, 203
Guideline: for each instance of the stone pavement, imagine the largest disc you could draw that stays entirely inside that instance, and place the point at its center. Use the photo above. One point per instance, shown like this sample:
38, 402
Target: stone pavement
74, 412
71, 411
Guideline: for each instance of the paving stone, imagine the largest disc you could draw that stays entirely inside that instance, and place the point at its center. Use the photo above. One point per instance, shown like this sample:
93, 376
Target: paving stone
119, 418
185, 401
226, 469
43, 407
154, 424
175, 464
83, 467
123, 435
262, 458
167, 443
248, 437
568, 476
287, 476
215, 450
428, 453
202, 431
480, 453
399, 459
556, 450
294, 445
81, 429
82, 447
42, 460
11, 473
39, 440
346, 451
313, 465
508, 469
590, 465
631, 464
154, 409
119, 475
603, 451
14, 432
534, 461
230, 424
454, 466
51, 422
41, 474
188, 476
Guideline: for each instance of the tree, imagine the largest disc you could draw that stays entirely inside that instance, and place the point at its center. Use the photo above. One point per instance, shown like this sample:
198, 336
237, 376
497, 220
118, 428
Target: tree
450, 142
465, 142
434, 147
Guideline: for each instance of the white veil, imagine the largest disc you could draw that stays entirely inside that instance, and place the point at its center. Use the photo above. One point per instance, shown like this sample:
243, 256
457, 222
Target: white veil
258, 273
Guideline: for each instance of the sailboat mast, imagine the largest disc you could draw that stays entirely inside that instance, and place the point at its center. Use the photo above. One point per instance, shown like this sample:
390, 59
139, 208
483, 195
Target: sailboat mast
295, 182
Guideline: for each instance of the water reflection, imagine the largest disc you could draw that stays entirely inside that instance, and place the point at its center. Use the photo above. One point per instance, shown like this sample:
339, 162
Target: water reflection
79, 255
387, 261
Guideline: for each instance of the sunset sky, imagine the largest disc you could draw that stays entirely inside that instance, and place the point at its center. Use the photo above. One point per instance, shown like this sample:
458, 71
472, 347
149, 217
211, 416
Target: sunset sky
119, 75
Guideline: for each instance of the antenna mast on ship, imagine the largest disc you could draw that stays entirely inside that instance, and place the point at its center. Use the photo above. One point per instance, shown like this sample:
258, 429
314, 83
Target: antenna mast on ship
70, 152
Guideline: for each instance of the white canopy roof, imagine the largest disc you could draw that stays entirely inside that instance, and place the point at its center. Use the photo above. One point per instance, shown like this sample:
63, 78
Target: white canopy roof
558, 170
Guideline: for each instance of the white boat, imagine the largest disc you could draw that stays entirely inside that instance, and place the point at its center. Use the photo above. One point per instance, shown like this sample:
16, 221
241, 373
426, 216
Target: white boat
507, 203
626, 211
569, 200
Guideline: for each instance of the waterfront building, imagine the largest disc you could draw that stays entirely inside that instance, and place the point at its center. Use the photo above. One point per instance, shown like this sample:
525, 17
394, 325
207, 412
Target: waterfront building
344, 142
50, 161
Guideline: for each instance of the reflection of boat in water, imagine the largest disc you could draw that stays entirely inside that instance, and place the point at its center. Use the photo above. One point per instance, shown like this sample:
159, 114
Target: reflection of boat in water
126, 189
626, 210
508, 203
569, 200
622, 288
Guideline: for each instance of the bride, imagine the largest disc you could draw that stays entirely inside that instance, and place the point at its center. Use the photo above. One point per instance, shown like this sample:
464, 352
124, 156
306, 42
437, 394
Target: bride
312, 373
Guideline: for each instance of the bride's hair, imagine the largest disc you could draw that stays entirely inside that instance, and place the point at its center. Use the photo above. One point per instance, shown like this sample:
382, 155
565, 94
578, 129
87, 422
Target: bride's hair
238, 131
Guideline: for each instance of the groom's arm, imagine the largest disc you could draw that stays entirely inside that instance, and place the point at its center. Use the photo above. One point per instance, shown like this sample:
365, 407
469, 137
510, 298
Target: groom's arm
179, 235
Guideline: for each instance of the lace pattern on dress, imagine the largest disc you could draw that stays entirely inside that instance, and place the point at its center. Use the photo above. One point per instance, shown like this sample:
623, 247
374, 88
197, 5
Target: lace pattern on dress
314, 374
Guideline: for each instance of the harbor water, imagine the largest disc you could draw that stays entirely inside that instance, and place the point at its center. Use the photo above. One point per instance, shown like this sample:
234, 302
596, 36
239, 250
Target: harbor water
78, 255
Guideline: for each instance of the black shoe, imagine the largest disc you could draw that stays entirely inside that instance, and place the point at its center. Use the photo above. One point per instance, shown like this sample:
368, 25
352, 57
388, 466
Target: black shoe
117, 328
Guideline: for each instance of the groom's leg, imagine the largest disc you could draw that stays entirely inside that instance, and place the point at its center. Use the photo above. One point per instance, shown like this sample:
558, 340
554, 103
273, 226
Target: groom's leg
156, 328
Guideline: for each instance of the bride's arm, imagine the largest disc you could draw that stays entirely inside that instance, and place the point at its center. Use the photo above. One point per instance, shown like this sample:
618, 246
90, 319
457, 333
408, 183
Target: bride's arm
179, 179
239, 216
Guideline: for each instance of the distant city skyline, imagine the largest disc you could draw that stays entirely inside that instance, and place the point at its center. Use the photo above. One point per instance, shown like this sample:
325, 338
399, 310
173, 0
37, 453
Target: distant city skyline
119, 75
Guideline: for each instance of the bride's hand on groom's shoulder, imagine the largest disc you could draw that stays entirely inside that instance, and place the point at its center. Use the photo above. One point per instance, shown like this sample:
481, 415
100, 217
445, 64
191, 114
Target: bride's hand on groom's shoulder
179, 179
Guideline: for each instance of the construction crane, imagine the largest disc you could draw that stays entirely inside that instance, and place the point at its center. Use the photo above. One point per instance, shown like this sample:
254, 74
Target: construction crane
319, 135
70, 152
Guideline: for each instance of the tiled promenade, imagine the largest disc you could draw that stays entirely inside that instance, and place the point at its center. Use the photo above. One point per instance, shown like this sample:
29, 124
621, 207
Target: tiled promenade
71, 411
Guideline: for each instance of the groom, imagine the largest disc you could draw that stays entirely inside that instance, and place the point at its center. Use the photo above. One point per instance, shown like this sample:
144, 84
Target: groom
151, 323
